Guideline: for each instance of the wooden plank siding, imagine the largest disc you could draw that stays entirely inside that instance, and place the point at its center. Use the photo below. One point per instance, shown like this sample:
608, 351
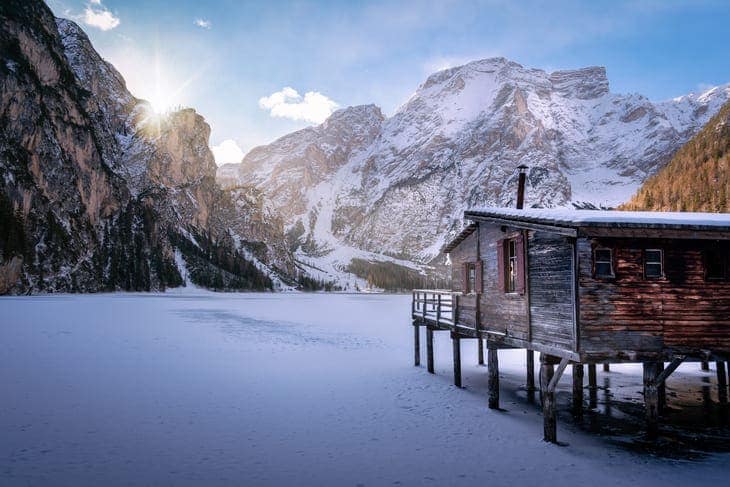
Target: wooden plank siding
466, 251
500, 312
552, 289
630, 313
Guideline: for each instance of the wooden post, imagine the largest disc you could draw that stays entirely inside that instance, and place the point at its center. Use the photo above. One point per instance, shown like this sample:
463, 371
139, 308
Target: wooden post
606, 367
548, 399
705, 366
651, 397
429, 349
530, 358
592, 386
480, 351
721, 382
456, 342
578, 390
493, 370
416, 344
661, 389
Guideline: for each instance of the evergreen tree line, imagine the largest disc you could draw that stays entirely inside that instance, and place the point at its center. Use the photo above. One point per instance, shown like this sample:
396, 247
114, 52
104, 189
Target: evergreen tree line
218, 266
13, 241
394, 277
131, 257
306, 283
698, 176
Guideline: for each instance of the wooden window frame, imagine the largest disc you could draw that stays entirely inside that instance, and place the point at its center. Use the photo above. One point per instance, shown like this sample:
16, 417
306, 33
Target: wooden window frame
645, 262
510, 268
471, 277
610, 262
518, 286
476, 285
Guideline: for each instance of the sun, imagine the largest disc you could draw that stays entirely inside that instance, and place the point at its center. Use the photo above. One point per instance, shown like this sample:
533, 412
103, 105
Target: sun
160, 103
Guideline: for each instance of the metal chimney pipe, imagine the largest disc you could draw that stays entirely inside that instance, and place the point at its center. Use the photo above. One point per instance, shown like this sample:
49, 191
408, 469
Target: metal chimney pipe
521, 186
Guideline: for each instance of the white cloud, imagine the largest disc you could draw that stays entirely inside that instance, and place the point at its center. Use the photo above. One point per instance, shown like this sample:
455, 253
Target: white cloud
203, 23
227, 152
100, 17
288, 103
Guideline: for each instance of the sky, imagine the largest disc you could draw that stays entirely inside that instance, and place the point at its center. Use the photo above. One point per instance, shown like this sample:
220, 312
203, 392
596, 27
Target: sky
257, 70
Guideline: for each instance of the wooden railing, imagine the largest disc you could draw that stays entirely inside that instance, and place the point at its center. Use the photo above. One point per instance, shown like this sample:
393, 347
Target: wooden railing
435, 305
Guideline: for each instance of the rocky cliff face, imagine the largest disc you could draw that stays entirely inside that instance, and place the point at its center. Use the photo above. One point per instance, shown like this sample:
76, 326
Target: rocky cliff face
401, 188
98, 192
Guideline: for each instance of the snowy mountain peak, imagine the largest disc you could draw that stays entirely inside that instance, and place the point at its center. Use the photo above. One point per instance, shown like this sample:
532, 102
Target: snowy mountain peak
363, 186
582, 84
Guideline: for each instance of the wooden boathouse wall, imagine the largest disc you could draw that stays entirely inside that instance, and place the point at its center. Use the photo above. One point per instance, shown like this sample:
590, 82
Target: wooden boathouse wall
631, 316
543, 313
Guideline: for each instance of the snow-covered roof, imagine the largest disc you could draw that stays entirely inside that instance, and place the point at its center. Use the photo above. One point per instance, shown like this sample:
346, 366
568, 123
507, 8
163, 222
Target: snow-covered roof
598, 218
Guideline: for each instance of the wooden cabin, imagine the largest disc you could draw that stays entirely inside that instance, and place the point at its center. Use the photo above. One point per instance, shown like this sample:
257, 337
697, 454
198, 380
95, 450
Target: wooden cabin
586, 287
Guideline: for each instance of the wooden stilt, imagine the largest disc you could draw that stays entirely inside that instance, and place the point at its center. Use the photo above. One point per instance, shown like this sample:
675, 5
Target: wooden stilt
530, 371
493, 369
416, 345
592, 386
429, 349
578, 390
548, 399
661, 389
480, 351
721, 382
651, 397
705, 365
456, 341
606, 367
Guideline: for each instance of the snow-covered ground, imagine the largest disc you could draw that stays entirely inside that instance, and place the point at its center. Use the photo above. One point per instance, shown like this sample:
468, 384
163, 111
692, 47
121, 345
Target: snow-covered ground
296, 389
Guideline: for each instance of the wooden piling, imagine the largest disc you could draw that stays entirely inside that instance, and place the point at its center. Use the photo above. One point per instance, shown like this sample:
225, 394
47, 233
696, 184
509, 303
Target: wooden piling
493, 370
651, 397
578, 390
606, 367
456, 342
592, 386
530, 371
721, 382
661, 389
480, 351
548, 400
429, 349
705, 365
416, 345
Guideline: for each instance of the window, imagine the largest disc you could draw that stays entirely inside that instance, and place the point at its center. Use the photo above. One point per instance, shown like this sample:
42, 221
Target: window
717, 264
653, 263
471, 274
511, 266
603, 263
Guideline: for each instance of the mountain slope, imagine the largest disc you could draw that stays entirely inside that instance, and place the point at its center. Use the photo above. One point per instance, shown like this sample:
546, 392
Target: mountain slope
399, 193
698, 176
99, 193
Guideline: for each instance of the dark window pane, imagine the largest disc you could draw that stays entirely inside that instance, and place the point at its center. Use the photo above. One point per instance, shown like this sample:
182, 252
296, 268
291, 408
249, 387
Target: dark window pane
654, 256
603, 255
603, 269
653, 270
715, 265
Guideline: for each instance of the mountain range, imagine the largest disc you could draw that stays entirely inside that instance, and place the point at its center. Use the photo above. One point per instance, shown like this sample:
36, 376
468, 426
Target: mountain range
99, 193
369, 187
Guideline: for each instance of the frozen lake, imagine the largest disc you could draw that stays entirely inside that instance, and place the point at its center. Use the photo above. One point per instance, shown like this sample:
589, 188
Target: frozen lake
296, 389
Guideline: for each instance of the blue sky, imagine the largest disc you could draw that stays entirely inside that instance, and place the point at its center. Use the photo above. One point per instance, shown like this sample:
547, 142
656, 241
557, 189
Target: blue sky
231, 60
